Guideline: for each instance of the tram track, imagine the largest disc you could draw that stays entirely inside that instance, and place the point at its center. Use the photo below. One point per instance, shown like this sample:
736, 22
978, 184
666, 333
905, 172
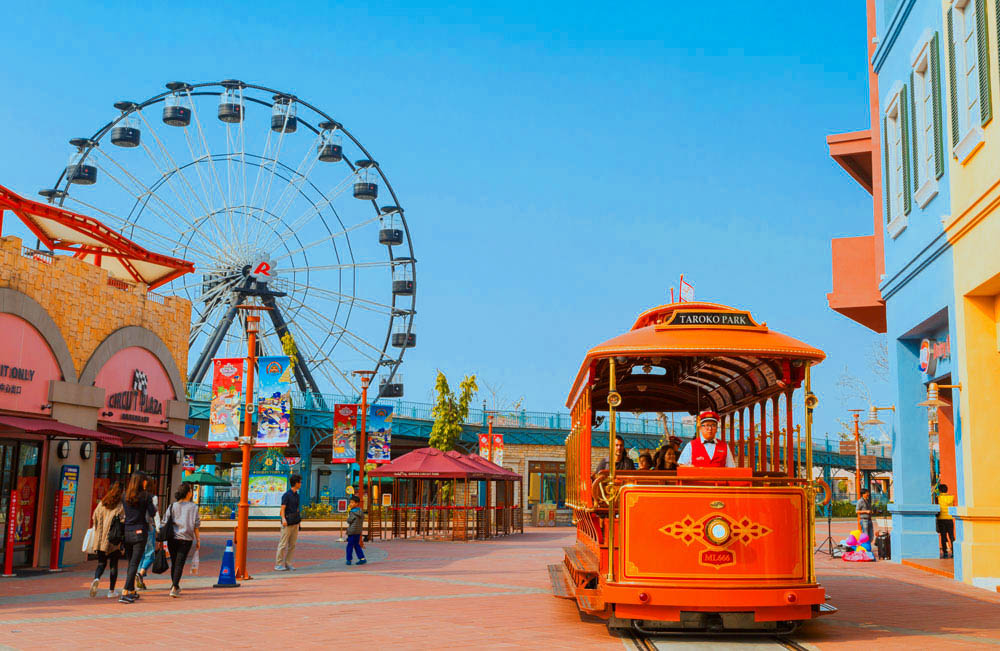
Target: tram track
642, 642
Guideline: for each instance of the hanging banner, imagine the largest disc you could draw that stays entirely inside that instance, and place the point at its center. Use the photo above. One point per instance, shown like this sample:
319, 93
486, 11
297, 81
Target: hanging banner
484, 447
224, 414
345, 425
274, 402
379, 426
497, 449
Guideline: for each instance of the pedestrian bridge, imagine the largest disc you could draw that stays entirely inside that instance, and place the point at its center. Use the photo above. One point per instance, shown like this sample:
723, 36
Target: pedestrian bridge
313, 421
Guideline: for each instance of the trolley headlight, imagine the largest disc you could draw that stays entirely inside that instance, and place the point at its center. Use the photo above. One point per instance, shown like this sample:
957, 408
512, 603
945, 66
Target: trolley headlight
718, 531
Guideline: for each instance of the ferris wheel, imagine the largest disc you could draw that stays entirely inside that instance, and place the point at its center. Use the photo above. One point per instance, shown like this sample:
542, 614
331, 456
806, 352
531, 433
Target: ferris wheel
276, 204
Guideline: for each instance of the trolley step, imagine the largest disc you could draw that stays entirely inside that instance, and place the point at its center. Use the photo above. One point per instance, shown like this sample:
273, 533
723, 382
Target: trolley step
581, 560
562, 585
826, 609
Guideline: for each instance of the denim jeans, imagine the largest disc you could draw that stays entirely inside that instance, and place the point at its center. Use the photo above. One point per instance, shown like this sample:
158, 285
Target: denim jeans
354, 546
179, 550
134, 552
147, 556
103, 559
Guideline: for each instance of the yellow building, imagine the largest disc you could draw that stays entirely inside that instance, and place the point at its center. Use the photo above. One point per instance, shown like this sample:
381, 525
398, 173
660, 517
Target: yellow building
973, 228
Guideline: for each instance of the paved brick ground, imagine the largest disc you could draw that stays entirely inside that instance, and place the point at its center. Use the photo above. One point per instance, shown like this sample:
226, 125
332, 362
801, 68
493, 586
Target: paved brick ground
429, 595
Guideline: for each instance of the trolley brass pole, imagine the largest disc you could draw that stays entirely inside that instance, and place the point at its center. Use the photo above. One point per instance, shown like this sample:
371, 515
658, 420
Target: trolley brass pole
811, 402
613, 401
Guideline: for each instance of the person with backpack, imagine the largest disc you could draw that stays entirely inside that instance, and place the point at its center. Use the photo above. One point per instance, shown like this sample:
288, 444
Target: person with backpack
138, 506
355, 526
182, 522
109, 533
147, 556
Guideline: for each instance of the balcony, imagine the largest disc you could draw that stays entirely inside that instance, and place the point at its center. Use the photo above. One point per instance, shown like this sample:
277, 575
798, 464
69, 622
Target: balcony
855, 282
853, 151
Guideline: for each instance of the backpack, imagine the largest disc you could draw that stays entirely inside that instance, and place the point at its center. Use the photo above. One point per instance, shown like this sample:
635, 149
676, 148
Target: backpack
116, 531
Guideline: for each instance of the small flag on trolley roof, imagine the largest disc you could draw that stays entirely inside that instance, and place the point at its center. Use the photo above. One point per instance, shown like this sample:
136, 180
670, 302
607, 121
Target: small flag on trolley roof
686, 291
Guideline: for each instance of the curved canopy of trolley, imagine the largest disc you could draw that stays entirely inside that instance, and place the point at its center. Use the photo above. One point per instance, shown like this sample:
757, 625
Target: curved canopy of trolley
693, 356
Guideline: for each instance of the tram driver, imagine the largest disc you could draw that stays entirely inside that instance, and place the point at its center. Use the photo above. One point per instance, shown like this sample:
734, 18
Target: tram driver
704, 451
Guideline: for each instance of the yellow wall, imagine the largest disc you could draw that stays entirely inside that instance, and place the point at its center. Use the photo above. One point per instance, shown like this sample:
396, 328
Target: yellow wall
973, 229
78, 298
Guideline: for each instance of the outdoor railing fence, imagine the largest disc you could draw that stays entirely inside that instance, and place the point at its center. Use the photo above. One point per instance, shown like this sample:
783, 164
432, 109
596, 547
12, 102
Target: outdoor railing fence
523, 419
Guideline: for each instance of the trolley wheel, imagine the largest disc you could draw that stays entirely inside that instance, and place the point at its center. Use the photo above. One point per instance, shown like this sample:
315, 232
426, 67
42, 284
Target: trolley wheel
827, 493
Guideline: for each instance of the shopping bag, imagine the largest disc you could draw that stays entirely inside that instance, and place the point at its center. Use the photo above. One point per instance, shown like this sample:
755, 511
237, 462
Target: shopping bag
160, 564
87, 538
194, 562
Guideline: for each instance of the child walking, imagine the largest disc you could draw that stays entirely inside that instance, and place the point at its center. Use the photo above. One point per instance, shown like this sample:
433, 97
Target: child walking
355, 525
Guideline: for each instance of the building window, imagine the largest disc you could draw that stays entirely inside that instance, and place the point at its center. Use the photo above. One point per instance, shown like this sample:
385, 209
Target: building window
547, 483
895, 184
969, 72
925, 93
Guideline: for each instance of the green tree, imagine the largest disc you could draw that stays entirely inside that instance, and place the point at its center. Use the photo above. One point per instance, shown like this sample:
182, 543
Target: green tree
450, 411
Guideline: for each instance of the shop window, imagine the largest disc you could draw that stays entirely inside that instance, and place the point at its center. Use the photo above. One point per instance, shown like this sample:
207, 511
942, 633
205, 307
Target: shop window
20, 471
547, 483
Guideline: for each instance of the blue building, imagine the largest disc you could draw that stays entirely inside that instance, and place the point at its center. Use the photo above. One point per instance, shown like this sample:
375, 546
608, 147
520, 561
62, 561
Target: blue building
908, 147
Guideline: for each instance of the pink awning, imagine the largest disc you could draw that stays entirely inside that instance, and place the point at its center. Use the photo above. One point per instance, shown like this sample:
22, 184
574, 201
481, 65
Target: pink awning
55, 428
167, 439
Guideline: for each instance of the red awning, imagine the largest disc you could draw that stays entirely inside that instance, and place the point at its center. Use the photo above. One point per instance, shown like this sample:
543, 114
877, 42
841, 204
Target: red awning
488, 466
167, 439
55, 428
432, 463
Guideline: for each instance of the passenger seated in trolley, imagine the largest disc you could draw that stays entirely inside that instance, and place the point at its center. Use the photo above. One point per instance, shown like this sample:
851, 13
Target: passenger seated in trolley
703, 451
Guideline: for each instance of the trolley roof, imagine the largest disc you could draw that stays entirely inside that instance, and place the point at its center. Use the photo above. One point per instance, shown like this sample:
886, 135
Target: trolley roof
691, 356
90, 240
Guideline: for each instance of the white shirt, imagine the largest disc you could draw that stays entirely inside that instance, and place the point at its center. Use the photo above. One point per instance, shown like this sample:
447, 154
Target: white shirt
685, 458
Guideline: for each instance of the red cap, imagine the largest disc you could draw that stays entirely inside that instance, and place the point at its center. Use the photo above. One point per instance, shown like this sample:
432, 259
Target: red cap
708, 416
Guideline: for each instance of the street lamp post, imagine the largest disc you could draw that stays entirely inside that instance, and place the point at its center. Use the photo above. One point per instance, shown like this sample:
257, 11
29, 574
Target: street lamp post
857, 453
246, 443
366, 378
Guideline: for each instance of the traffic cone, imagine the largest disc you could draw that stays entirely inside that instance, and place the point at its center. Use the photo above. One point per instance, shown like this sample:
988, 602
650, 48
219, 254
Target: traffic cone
227, 573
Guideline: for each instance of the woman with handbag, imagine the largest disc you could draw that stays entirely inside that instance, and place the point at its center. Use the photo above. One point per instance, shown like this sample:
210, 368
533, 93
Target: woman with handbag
108, 551
181, 522
138, 505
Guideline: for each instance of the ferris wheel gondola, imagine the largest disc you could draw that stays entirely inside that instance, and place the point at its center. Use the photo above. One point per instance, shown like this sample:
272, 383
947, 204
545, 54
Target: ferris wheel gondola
275, 203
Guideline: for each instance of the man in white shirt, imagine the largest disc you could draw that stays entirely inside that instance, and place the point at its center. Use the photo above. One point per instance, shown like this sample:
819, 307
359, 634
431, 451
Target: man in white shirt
704, 451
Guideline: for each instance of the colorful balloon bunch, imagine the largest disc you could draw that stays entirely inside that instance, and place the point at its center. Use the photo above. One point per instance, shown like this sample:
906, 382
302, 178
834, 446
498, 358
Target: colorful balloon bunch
860, 546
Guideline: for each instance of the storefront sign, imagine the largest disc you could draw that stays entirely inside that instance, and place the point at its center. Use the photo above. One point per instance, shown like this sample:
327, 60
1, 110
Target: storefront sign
27, 365
274, 402
137, 388
379, 439
345, 419
68, 483
224, 413
932, 350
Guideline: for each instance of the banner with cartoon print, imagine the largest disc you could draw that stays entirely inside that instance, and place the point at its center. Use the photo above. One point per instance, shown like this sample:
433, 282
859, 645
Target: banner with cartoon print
274, 401
379, 426
345, 425
224, 413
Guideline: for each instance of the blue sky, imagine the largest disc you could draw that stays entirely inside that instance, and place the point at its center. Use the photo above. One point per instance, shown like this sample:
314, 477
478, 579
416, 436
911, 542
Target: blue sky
561, 164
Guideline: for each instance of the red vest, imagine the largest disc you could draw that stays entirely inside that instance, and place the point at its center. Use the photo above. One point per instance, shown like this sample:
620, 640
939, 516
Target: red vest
700, 458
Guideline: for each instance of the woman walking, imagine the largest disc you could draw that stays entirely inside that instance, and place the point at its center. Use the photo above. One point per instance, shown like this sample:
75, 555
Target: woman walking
109, 508
184, 514
138, 506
